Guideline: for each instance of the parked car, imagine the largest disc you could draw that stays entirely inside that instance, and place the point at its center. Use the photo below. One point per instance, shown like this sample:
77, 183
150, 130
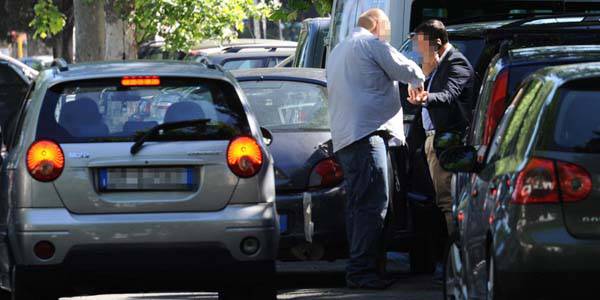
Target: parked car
292, 104
94, 195
15, 79
532, 221
514, 166
246, 56
312, 43
286, 63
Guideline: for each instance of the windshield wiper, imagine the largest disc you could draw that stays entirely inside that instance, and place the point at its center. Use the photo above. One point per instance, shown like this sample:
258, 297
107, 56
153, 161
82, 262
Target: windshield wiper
139, 141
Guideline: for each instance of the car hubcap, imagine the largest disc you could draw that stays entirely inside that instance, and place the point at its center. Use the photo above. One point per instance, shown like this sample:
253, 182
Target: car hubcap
455, 289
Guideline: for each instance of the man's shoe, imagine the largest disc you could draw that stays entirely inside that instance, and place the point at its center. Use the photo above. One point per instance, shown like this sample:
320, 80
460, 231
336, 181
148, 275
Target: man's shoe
377, 284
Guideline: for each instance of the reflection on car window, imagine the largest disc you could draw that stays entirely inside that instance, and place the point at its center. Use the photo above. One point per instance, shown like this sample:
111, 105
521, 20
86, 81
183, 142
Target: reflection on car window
516, 125
287, 105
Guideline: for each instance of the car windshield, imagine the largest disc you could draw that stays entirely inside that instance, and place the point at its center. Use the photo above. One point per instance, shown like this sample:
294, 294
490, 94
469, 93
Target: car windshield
105, 110
576, 126
288, 105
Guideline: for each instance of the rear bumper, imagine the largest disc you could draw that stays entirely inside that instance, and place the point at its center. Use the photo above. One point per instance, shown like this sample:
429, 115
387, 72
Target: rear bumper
221, 231
536, 250
327, 215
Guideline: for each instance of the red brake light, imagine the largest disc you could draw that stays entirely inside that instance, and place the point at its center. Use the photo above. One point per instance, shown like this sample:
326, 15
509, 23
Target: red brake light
496, 107
327, 173
537, 183
244, 157
45, 160
575, 182
140, 81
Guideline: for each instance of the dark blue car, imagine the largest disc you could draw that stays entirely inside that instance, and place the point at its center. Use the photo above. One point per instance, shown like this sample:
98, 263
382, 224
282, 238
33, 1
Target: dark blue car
291, 106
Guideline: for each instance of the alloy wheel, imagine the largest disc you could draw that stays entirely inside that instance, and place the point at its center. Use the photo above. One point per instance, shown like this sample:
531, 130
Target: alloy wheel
455, 289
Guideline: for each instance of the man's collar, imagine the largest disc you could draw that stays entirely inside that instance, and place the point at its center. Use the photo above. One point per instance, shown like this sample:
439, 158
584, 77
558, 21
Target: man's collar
361, 31
448, 48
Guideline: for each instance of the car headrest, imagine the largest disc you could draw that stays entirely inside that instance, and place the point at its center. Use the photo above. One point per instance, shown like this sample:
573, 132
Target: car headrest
184, 111
82, 118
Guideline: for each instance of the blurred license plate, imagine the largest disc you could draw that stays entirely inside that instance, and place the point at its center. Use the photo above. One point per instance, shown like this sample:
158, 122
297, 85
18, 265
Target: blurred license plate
283, 223
147, 179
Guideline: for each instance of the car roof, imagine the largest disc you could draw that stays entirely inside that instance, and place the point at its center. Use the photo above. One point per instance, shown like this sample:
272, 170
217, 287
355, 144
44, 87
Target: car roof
536, 54
565, 73
132, 68
476, 28
301, 74
283, 53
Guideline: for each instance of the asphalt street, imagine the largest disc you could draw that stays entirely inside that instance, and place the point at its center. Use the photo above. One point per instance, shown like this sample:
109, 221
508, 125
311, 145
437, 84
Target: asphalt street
315, 280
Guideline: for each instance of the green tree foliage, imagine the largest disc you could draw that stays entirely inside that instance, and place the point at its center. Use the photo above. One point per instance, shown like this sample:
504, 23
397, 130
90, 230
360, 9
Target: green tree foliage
184, 22
48, 19
292, 10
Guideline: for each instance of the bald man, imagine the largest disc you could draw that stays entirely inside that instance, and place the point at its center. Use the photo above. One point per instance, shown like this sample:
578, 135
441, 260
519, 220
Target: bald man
364, 112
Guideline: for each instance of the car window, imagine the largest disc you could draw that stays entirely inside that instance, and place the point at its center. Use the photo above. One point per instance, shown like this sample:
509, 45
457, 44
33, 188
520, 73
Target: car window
575, 126
8, 76
105, 110
503, 124
470, 48
302, 50
288, 105
244, 63
516, 123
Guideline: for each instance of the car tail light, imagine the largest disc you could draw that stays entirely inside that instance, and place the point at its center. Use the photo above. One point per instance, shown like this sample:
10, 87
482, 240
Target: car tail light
575, 182
140, 81
244, 156
539, 182
496, 107
326, 173
45, 160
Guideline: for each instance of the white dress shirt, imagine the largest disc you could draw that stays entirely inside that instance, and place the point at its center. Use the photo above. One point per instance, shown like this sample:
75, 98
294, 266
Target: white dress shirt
362, 75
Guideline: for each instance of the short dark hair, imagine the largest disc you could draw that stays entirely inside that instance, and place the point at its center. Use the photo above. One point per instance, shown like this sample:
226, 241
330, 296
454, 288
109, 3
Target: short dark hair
433, 29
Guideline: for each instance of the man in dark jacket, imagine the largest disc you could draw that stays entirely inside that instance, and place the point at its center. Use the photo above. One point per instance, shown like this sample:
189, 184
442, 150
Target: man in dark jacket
446, 103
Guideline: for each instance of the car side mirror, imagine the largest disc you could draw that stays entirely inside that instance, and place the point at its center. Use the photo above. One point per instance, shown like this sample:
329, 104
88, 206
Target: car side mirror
267, 136
460, 159
446, 140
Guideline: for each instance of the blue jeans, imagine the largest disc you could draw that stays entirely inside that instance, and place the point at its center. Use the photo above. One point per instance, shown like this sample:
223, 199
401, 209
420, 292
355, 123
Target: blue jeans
365, 171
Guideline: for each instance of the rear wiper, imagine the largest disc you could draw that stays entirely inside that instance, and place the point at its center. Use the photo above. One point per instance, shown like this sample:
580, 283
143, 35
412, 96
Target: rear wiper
139, 141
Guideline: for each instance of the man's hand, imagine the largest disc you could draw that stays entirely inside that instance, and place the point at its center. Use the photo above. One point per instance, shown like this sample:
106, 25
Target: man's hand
414, 91
416, 94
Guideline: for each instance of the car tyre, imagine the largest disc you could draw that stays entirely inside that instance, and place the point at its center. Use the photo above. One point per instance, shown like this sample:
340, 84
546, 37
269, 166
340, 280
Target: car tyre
23, 289
454, 287
494, 292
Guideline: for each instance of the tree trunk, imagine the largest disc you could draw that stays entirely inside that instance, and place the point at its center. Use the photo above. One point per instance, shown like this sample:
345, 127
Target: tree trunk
90, 32
120, 34
66, 36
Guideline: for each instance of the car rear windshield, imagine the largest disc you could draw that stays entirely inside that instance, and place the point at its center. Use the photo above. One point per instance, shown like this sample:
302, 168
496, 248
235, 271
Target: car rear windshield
288, 105
575, 125
103, 110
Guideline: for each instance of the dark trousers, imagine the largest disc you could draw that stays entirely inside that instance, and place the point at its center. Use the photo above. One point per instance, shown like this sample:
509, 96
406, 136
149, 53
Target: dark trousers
365, 170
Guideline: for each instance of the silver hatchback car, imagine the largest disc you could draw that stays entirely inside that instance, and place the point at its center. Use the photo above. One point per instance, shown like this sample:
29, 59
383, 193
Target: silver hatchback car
103, 191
